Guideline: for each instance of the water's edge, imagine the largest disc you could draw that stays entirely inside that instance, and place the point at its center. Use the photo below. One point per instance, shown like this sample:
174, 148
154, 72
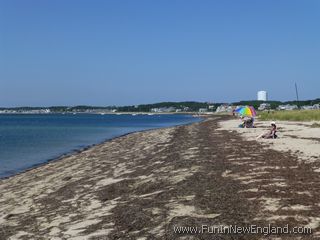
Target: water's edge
82, 149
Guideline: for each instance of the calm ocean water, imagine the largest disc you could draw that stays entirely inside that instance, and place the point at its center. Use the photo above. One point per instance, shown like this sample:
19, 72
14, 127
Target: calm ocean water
28, 140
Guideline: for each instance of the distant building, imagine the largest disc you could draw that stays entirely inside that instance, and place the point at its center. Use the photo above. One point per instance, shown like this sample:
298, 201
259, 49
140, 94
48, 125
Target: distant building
316, 106
163, 109
287, 107
307, 107
262, 96
154, 110
224, 108
169, 109
202, 110
264, 106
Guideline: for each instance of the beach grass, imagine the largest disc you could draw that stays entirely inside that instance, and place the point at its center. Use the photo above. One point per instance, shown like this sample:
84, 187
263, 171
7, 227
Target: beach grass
295, 115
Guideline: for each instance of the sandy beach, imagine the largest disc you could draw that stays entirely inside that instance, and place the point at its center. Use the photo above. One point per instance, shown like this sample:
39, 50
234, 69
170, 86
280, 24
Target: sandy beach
298, 138
145, 184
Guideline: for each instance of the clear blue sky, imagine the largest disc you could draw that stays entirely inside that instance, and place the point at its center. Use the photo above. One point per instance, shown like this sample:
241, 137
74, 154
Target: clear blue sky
122, 52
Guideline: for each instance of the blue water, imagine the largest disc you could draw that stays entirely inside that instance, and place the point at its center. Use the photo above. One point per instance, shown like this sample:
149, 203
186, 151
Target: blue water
29, 140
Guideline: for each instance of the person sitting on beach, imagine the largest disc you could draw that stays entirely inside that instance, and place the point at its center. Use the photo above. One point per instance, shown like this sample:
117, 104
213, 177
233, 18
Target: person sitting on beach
247, 123
271, 133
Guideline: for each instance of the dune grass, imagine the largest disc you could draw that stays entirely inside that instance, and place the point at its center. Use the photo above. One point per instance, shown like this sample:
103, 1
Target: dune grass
295, 115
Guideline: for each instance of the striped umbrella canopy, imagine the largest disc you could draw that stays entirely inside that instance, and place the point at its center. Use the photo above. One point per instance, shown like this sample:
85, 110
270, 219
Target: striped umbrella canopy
247, 111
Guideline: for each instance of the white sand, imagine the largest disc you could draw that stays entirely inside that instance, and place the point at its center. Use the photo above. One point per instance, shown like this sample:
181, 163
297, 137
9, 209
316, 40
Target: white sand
298, 138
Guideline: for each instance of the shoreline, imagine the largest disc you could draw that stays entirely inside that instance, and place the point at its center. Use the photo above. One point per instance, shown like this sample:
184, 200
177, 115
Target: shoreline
85, 148
110, 113
141, 185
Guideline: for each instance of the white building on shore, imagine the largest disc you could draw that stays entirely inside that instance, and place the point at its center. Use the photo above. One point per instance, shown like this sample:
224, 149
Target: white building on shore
264, 106
287, 107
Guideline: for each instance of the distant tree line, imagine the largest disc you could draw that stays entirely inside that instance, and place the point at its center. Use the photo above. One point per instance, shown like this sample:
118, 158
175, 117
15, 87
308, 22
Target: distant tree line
184, 106
192, 106
275, 104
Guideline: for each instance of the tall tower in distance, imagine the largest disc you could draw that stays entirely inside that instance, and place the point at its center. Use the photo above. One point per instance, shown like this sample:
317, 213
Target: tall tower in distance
262, 96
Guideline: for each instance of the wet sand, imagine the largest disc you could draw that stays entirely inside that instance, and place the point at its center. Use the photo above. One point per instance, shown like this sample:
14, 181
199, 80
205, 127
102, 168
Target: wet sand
142, 185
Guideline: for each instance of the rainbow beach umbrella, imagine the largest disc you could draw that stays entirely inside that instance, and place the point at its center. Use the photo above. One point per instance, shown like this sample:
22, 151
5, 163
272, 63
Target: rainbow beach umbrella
247, 111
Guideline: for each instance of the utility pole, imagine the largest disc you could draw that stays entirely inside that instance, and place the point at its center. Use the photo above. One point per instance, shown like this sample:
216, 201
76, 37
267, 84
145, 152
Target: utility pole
297, 95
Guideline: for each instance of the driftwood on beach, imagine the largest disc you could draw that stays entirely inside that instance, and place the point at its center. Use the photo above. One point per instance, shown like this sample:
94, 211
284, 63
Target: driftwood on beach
144, 185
